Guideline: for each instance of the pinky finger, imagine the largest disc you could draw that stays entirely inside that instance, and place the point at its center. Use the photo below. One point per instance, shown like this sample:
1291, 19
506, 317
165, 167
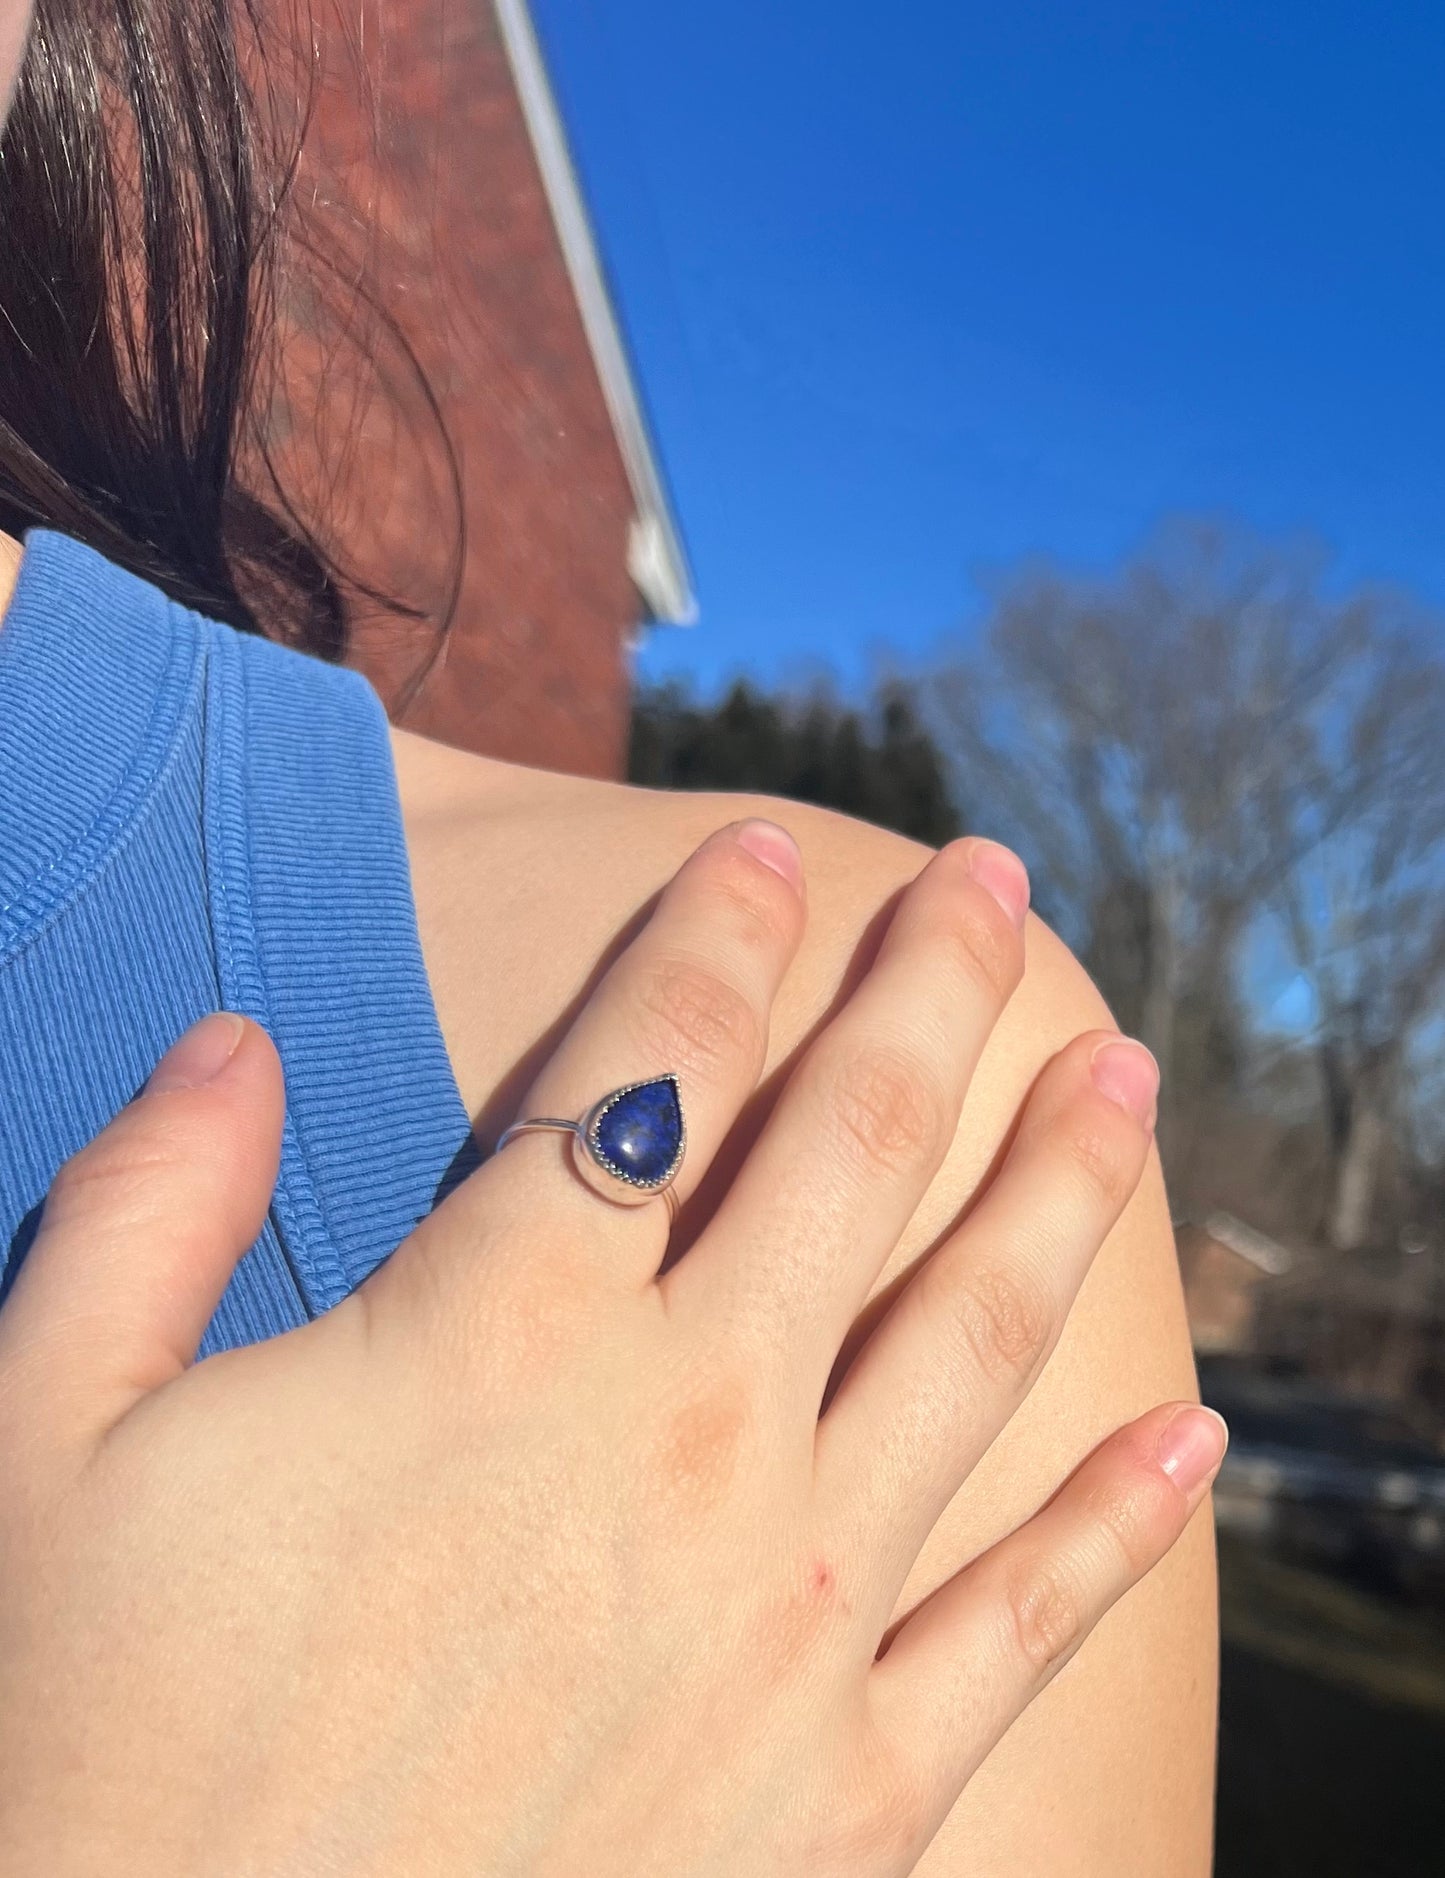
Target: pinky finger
974, 1655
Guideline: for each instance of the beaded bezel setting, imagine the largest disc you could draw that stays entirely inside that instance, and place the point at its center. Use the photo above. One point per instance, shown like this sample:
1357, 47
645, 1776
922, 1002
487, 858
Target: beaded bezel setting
638, 1134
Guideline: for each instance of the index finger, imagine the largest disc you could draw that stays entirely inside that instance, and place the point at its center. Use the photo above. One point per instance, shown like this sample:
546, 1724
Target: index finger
690, 997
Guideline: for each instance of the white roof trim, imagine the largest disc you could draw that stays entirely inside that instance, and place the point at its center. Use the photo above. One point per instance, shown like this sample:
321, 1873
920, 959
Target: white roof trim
1267, 1254
655, 556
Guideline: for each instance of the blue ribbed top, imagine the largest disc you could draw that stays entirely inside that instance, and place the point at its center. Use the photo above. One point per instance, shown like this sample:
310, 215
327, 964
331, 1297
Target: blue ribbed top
191, 819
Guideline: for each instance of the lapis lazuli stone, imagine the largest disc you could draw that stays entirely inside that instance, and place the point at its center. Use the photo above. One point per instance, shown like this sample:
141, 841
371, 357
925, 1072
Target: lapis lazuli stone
639, 1135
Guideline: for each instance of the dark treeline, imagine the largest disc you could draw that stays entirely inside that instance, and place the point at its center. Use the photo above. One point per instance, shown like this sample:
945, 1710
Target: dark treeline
880, 763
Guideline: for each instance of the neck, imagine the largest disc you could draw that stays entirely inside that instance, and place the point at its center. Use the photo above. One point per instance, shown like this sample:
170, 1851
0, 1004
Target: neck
11, 555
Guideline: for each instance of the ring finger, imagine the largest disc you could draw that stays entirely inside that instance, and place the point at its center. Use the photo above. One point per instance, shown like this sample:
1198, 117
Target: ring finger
966, 1339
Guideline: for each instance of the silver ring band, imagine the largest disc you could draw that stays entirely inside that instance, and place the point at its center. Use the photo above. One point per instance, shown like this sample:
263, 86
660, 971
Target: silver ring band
629, 1145
539, 1125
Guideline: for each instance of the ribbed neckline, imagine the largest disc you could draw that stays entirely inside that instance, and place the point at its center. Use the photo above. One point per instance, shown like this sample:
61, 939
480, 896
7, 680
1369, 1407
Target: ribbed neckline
311, 913
91, 699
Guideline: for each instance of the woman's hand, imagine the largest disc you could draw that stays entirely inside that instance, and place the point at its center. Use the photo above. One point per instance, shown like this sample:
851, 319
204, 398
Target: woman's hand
526, 1558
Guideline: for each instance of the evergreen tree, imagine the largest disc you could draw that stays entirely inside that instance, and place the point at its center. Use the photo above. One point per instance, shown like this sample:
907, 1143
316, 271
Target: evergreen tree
880, 763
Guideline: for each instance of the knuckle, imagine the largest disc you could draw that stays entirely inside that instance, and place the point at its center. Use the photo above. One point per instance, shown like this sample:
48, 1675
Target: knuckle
983, 947
701, 1445
888, 1109
1134, 1517
750, 900
525, 1330
1006, 1319
504, 1342
1045, 1615
888, 1820
697, 1018
119, 1170
1095, 1156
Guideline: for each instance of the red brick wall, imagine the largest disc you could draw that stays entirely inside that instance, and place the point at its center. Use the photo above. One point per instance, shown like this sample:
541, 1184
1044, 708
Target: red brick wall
437, 161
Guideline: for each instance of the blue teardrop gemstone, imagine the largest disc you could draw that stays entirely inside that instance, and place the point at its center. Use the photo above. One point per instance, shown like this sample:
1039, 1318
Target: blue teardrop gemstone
638, 1136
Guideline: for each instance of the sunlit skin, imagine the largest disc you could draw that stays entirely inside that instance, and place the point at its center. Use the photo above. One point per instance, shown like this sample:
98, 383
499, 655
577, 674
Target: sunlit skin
14, 27
524, 881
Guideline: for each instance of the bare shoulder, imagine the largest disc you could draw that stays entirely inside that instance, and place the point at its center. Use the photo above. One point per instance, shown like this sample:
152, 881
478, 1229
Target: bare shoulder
526, 883
502, 855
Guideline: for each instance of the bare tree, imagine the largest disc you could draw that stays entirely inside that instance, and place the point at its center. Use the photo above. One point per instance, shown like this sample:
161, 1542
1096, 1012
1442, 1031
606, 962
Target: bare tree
1200, 742
1363, 905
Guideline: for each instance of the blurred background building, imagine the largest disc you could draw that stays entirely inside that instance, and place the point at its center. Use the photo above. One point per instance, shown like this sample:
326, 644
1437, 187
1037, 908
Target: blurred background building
437, 164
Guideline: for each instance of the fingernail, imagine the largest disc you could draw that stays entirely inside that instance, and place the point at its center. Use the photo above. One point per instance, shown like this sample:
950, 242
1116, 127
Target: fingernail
1127, 1073
200, 1055
774, 847
1191, 1446
1001, 871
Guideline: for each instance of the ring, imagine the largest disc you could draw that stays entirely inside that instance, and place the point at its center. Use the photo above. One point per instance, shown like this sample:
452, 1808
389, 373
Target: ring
629, 1146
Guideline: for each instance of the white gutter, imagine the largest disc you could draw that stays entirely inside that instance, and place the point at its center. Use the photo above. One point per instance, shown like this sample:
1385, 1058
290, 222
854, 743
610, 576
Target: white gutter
655, 556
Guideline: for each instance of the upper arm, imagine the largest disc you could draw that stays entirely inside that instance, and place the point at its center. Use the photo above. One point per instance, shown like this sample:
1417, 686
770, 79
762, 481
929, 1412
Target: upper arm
1112, 1769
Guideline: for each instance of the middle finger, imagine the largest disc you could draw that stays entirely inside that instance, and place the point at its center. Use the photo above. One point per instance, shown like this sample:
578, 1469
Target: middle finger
866, 1118
967, 1338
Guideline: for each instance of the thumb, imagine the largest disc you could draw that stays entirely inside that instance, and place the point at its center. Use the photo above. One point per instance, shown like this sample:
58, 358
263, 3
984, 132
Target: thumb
142, 1229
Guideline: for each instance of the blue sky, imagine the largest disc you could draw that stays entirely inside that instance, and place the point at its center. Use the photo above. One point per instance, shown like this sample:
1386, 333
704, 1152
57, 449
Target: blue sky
915, 291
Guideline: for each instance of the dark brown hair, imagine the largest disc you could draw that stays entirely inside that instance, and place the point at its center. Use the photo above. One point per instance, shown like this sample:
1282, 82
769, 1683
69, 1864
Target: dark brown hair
147, 215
